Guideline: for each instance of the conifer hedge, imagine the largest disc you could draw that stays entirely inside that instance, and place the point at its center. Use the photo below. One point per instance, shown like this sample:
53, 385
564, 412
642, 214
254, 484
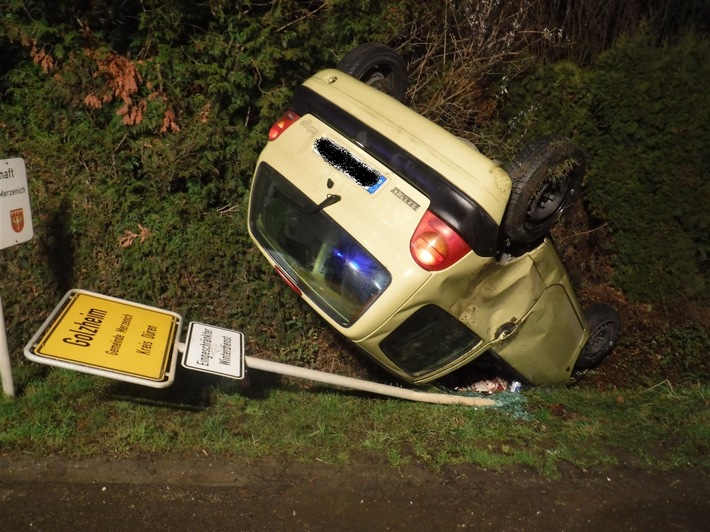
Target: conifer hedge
642, 112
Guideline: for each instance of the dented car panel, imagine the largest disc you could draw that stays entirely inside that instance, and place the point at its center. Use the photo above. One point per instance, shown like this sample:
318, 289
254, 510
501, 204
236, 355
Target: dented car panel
513, 307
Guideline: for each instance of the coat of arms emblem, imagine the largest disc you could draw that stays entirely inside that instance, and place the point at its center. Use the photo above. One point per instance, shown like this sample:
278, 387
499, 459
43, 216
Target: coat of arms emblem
17, 217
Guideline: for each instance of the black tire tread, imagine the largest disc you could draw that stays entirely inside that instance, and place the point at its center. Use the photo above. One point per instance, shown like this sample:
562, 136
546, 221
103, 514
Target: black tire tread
358, 61
527, 171
597, 315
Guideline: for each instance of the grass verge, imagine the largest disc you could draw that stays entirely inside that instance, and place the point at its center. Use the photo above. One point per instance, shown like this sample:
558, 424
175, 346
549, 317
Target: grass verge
78, 415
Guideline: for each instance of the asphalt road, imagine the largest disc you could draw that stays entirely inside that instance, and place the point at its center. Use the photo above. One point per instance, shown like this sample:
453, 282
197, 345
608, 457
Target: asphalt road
203, 494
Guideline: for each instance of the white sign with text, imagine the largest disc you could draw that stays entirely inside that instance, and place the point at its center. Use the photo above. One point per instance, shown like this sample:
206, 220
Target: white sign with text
15, 215
214, 350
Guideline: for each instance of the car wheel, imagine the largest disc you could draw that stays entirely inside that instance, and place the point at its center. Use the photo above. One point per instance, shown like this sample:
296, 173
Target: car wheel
604, 325
546, 176
379, 66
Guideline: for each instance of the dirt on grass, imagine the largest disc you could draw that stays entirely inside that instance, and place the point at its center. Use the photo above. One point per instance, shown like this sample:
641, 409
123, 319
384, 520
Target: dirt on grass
206, 494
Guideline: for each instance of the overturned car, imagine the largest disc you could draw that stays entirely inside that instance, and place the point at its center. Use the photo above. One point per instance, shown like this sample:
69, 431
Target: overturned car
420, 250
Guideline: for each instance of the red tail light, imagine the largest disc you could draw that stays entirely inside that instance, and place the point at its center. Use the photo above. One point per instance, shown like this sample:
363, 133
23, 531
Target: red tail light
288, 280
435, 246
282, 124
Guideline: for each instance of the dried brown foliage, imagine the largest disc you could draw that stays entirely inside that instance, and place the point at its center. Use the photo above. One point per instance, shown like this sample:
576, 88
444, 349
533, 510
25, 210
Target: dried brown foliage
130, 237
451, 69
41, 57
121, 80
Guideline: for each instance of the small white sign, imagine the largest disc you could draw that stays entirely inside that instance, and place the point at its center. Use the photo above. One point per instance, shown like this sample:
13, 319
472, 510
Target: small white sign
15, 215
214, 350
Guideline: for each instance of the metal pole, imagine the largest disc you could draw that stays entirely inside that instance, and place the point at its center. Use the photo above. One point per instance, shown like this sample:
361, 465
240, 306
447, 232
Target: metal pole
5, 368
367, 386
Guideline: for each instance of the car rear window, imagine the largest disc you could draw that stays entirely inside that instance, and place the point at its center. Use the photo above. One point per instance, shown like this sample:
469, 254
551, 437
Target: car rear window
331, 268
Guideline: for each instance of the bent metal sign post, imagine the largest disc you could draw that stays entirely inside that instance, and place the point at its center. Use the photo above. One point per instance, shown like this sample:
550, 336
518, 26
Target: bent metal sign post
122, 340
111, 337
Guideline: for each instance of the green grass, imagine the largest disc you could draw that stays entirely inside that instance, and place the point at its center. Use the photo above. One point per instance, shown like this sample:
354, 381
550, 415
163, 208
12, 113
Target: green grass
80, 416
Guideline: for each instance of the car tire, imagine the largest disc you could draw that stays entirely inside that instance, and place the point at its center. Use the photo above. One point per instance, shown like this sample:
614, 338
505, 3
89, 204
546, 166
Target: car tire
379, 66
604, 325
546, 176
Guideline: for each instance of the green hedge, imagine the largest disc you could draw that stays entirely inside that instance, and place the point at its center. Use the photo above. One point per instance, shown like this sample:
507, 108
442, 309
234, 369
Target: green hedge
642, 112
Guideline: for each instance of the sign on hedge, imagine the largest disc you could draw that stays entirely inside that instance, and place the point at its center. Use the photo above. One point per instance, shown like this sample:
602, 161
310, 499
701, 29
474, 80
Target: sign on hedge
15, 216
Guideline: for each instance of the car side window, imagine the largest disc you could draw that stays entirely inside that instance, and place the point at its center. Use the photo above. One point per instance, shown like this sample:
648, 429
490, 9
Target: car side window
429, 339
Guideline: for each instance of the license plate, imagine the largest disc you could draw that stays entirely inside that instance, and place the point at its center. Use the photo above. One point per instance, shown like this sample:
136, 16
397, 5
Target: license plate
341, 159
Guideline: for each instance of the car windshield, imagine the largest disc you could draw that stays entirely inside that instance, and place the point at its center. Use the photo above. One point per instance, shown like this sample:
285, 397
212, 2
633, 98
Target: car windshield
325, 262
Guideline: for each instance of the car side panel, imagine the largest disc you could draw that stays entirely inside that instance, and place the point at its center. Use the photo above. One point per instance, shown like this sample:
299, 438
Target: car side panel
530, 297
546, 344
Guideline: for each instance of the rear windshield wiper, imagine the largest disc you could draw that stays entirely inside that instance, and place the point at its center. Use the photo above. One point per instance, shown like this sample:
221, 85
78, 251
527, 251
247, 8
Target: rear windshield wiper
331, 199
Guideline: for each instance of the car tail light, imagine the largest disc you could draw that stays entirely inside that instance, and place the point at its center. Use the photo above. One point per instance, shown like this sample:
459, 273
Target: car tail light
291, 284
435, 246
282, 124
288, 280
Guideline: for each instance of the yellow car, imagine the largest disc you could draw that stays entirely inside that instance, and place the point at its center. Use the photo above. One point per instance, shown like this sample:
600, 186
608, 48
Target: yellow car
412, 244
